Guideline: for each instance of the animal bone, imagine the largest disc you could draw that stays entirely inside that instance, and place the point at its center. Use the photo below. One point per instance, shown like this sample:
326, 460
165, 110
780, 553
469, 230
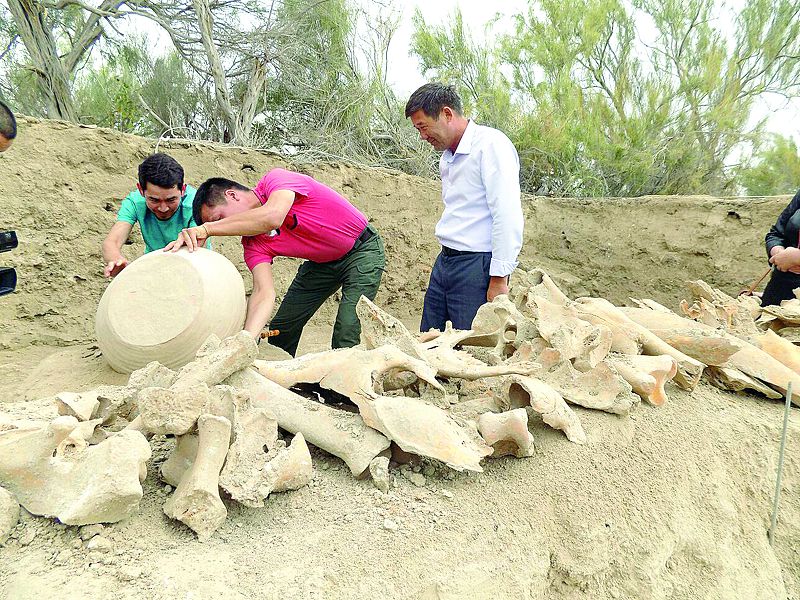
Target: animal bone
413, 424
255, 433
507, 432
338, 432
291, 469
600, 311
646, 374
600, 388
379, 328
96, 484
717, 309
527, 391
748, 359
180, 459
9, 514
535, 283
574, 338
175, 410
500, 325
81, 406
196, 500
440, 352
730, 378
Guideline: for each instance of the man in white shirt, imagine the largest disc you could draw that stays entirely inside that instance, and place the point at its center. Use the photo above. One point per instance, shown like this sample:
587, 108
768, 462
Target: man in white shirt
480, 230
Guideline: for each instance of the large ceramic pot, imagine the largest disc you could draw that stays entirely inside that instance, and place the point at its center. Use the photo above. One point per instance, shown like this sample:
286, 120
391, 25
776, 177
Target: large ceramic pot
164, 305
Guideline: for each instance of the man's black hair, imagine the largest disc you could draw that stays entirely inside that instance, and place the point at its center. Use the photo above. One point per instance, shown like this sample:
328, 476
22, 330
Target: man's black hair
8, 124
431, 98
212, 193
162, 170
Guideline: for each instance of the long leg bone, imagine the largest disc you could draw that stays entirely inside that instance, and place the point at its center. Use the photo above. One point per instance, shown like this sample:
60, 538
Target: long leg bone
196, 500
341, 433
600, 311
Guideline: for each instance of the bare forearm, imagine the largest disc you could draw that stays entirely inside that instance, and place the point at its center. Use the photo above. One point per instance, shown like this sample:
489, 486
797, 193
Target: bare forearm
247, 223
112, 249
259, 311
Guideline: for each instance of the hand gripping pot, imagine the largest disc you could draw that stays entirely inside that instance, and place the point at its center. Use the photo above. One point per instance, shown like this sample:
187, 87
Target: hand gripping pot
164, 305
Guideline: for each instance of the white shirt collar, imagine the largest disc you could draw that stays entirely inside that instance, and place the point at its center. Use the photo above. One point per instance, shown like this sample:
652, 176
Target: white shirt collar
465, 143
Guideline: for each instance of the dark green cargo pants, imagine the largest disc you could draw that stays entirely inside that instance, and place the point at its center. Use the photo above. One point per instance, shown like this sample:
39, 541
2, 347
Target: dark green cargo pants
358, 273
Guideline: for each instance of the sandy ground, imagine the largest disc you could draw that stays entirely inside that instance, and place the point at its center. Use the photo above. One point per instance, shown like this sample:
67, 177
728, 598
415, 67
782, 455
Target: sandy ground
670, 502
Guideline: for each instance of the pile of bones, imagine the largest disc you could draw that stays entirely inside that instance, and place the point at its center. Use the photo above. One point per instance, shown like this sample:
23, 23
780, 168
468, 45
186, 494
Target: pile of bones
453, 396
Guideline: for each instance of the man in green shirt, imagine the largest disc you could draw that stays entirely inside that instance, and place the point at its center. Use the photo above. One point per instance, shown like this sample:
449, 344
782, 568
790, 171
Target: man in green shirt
161, 204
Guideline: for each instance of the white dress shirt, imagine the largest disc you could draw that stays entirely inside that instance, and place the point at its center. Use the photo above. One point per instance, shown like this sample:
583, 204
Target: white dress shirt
480, 190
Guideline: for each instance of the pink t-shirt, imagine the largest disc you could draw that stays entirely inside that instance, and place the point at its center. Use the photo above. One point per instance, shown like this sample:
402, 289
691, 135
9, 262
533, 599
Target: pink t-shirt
321, 225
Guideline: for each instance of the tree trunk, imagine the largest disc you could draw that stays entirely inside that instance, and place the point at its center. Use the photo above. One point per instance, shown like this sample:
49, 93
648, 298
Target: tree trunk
52, 77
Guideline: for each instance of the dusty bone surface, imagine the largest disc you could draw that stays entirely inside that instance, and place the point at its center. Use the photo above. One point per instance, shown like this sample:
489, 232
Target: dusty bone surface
647, 375
94, 484
543, 399
601, 388
507, 432
196, 500
176, 409
255, 432
379, 328
500, 325
180, 459
415, 425
341, 433
601, 311
574, 338
748, 358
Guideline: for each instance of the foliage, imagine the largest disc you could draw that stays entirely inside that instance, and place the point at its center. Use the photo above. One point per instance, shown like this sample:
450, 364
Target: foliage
597, 111
777, 169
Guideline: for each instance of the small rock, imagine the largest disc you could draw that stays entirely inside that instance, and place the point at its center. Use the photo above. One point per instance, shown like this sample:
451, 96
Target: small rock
390, 525
63, 557
416, 468
168, 489
99, 544
418, 479
429, 471
379, 469
87, 532
27, 537
77, 543
447, 494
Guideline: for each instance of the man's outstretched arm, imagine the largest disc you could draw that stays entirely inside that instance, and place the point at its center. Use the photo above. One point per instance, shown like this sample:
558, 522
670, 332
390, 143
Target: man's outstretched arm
112, 248
262, 219
262, 300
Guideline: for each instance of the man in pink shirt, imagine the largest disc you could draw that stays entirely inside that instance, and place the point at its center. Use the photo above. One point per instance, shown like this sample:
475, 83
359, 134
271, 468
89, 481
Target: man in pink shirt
290, 214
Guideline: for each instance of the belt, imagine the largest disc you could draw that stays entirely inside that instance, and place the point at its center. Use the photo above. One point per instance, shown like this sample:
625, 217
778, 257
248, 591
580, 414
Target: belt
450, 252
366, 235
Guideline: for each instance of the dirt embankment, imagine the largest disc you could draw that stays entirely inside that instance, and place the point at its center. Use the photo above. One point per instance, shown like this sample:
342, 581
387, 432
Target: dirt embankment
61, 185
668, 503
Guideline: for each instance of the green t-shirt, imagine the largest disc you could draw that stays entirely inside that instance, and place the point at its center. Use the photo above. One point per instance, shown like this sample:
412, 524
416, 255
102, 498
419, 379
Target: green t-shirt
157, 233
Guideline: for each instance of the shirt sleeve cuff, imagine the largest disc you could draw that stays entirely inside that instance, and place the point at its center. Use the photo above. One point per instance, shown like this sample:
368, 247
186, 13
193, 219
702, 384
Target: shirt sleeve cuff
501, 268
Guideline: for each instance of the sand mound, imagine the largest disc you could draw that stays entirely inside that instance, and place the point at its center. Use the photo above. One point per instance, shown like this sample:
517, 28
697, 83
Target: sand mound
671, 502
